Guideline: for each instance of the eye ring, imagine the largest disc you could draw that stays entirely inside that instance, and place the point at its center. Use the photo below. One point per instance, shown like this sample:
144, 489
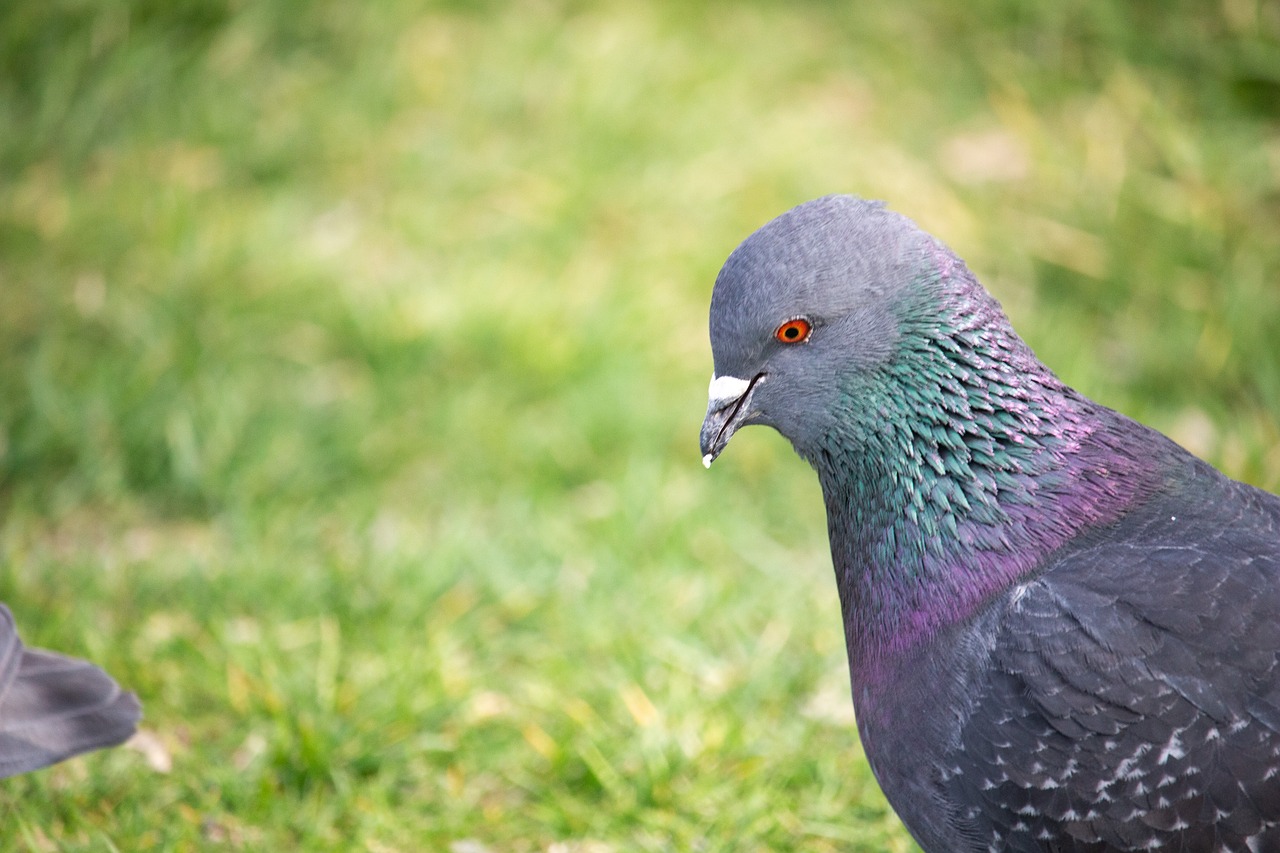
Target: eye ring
795, 331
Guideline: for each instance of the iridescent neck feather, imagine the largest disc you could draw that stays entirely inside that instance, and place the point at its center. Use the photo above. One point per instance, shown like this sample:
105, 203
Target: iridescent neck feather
952, 471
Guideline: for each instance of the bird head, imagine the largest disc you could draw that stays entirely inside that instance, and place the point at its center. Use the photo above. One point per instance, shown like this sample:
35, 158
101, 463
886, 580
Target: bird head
805, 306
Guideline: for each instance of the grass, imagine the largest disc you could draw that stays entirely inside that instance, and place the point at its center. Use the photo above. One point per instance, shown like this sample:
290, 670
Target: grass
352, 358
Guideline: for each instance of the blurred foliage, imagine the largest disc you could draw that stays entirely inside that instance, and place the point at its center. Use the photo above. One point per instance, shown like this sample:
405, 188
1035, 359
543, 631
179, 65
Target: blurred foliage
352, 358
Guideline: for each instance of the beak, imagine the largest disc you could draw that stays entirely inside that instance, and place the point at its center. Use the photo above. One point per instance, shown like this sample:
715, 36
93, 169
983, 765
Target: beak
726, 411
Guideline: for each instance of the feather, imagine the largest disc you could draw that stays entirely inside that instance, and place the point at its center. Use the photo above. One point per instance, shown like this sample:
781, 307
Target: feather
1072, 615
53, 707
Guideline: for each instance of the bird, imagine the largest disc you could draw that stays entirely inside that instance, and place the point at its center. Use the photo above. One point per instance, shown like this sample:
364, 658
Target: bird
53, 707
1062, 627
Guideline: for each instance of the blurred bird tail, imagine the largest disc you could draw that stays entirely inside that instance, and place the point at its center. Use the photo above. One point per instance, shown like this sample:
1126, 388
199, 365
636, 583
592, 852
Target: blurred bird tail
53, 707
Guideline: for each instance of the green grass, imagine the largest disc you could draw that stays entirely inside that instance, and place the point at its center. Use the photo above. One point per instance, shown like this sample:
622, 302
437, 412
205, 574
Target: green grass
352, 358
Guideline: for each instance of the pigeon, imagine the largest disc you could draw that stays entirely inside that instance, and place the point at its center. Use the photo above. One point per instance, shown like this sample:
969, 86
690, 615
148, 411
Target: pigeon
1062, 628
53, 707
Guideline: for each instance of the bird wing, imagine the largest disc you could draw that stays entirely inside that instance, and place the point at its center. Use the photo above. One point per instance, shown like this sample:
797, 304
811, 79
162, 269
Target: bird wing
1134, 692
53, 707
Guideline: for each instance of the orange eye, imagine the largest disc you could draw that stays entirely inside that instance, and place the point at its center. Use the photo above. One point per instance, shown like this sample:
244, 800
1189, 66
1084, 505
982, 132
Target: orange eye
795, 331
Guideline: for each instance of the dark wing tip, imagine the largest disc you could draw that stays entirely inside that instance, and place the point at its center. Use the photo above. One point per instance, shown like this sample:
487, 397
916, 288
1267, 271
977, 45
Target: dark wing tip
53, 707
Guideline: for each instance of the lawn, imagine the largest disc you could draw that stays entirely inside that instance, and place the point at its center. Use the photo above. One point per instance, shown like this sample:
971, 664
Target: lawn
352, 358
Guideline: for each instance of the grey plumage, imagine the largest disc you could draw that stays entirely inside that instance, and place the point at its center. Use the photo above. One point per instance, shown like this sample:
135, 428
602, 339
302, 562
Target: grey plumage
53, 707
1063, 629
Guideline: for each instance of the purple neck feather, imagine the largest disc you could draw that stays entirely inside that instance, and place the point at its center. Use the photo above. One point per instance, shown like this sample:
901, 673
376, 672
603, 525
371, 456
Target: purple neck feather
956, 468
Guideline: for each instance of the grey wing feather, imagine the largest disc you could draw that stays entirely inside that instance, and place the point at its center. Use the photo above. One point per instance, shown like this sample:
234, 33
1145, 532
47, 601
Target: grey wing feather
1134, 696
53, 707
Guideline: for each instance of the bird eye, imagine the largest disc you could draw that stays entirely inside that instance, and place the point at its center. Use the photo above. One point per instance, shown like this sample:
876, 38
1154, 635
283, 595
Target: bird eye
795, 331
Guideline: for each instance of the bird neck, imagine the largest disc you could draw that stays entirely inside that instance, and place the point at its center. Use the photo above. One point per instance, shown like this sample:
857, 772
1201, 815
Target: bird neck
957, 468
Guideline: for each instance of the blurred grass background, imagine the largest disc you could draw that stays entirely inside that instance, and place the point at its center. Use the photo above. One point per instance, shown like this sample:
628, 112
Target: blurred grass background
352, 358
